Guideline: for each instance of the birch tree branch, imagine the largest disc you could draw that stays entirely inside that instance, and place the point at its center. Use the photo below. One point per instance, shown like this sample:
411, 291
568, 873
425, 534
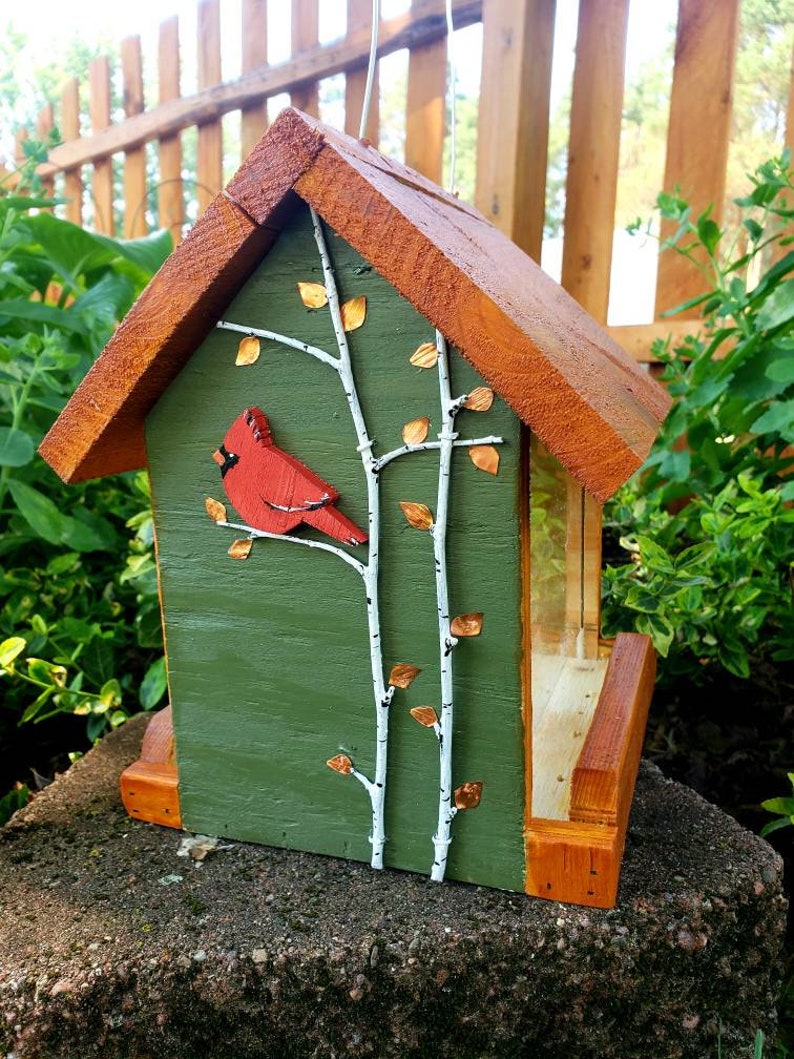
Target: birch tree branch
387, 457
284, 340
249, 531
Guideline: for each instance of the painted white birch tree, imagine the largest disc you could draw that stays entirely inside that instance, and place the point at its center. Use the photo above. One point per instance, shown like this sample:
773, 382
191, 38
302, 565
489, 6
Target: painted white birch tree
344, 318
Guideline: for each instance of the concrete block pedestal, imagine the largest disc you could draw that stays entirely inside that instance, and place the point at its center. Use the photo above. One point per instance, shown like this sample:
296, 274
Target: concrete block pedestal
113, 946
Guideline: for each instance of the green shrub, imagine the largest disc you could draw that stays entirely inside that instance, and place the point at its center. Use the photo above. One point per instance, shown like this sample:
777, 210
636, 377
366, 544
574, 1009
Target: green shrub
708, 520
79, 618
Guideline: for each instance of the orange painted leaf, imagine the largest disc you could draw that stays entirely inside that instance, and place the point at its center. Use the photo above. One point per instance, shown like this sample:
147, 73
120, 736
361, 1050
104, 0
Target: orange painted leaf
403, 674
313, 295
418, 515
340, 763
248, 351
467, 625
415, 432
468, 795
426, 356
426, 715
215, 509
354, 313
240, 549
486, 457
479, 400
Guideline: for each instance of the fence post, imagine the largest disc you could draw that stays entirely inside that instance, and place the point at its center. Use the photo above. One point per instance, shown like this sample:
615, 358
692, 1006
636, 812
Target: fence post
513, 121
305, 34
99, 111
426, 108
253, 119
135, 160
209, 167
699, 129
591, 186
70, 130
170, 198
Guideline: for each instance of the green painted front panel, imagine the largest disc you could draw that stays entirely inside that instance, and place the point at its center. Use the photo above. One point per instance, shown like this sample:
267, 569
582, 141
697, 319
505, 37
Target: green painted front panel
268, 658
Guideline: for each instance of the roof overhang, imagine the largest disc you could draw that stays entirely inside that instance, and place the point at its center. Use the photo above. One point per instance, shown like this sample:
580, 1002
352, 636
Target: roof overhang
560, 371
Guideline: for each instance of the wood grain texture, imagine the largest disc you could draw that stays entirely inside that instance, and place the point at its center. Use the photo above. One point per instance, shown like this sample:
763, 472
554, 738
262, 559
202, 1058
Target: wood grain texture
45, 123
407, 30
101, 430
593, 153
698, 135
583, 568
70, 129
604, 777
209, 166
170, 198
150, 786
305, 35
268, 659
425, 117
99, 112
560, 372
513, 120
564, 696
359, 20
576, 863
253, 117
134, 160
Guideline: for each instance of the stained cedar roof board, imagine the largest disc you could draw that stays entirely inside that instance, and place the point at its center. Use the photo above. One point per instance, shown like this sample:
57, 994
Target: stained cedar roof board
562, 374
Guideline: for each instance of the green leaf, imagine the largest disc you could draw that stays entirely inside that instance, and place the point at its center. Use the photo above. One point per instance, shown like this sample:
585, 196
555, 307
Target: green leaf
785, 806
110, 694
16, 447
775, 825
34, 709
659, 629
12, 801
37, 312
11, 649
777, 417
654, 556
708, 232
98, 660
153, 685
781, 370
46, 672
88, 533
753, 227
147, 253
39, 512
778, 308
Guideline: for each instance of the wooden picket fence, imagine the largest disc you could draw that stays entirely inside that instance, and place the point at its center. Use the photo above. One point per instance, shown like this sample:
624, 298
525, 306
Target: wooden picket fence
513, 120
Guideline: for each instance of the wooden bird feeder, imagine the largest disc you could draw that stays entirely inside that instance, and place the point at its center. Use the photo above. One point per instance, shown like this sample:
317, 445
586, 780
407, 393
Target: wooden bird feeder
341, 355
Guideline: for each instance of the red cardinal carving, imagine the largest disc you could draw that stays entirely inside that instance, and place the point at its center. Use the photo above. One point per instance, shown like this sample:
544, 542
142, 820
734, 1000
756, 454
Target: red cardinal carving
272, 490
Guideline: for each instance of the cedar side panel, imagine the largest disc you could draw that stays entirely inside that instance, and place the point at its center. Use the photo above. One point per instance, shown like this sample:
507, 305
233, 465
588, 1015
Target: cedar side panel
268, 658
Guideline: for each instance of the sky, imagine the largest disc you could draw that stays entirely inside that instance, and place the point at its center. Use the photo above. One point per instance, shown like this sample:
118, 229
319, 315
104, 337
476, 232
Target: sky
48, 23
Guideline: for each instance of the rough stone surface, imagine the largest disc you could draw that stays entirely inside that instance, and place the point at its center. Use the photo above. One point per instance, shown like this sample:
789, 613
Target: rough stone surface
112, 946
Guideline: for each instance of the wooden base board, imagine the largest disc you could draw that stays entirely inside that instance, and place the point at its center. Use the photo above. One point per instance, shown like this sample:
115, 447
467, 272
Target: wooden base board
150, 786
578, 860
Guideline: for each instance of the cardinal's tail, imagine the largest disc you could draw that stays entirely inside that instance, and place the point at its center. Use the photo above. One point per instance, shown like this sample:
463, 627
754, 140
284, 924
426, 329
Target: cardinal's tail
328, 520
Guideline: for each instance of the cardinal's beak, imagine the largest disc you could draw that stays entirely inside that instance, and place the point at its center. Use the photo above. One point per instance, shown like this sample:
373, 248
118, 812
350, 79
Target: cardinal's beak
219, 458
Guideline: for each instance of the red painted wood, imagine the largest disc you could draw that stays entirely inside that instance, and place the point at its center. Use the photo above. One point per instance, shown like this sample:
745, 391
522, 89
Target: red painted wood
273, 491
